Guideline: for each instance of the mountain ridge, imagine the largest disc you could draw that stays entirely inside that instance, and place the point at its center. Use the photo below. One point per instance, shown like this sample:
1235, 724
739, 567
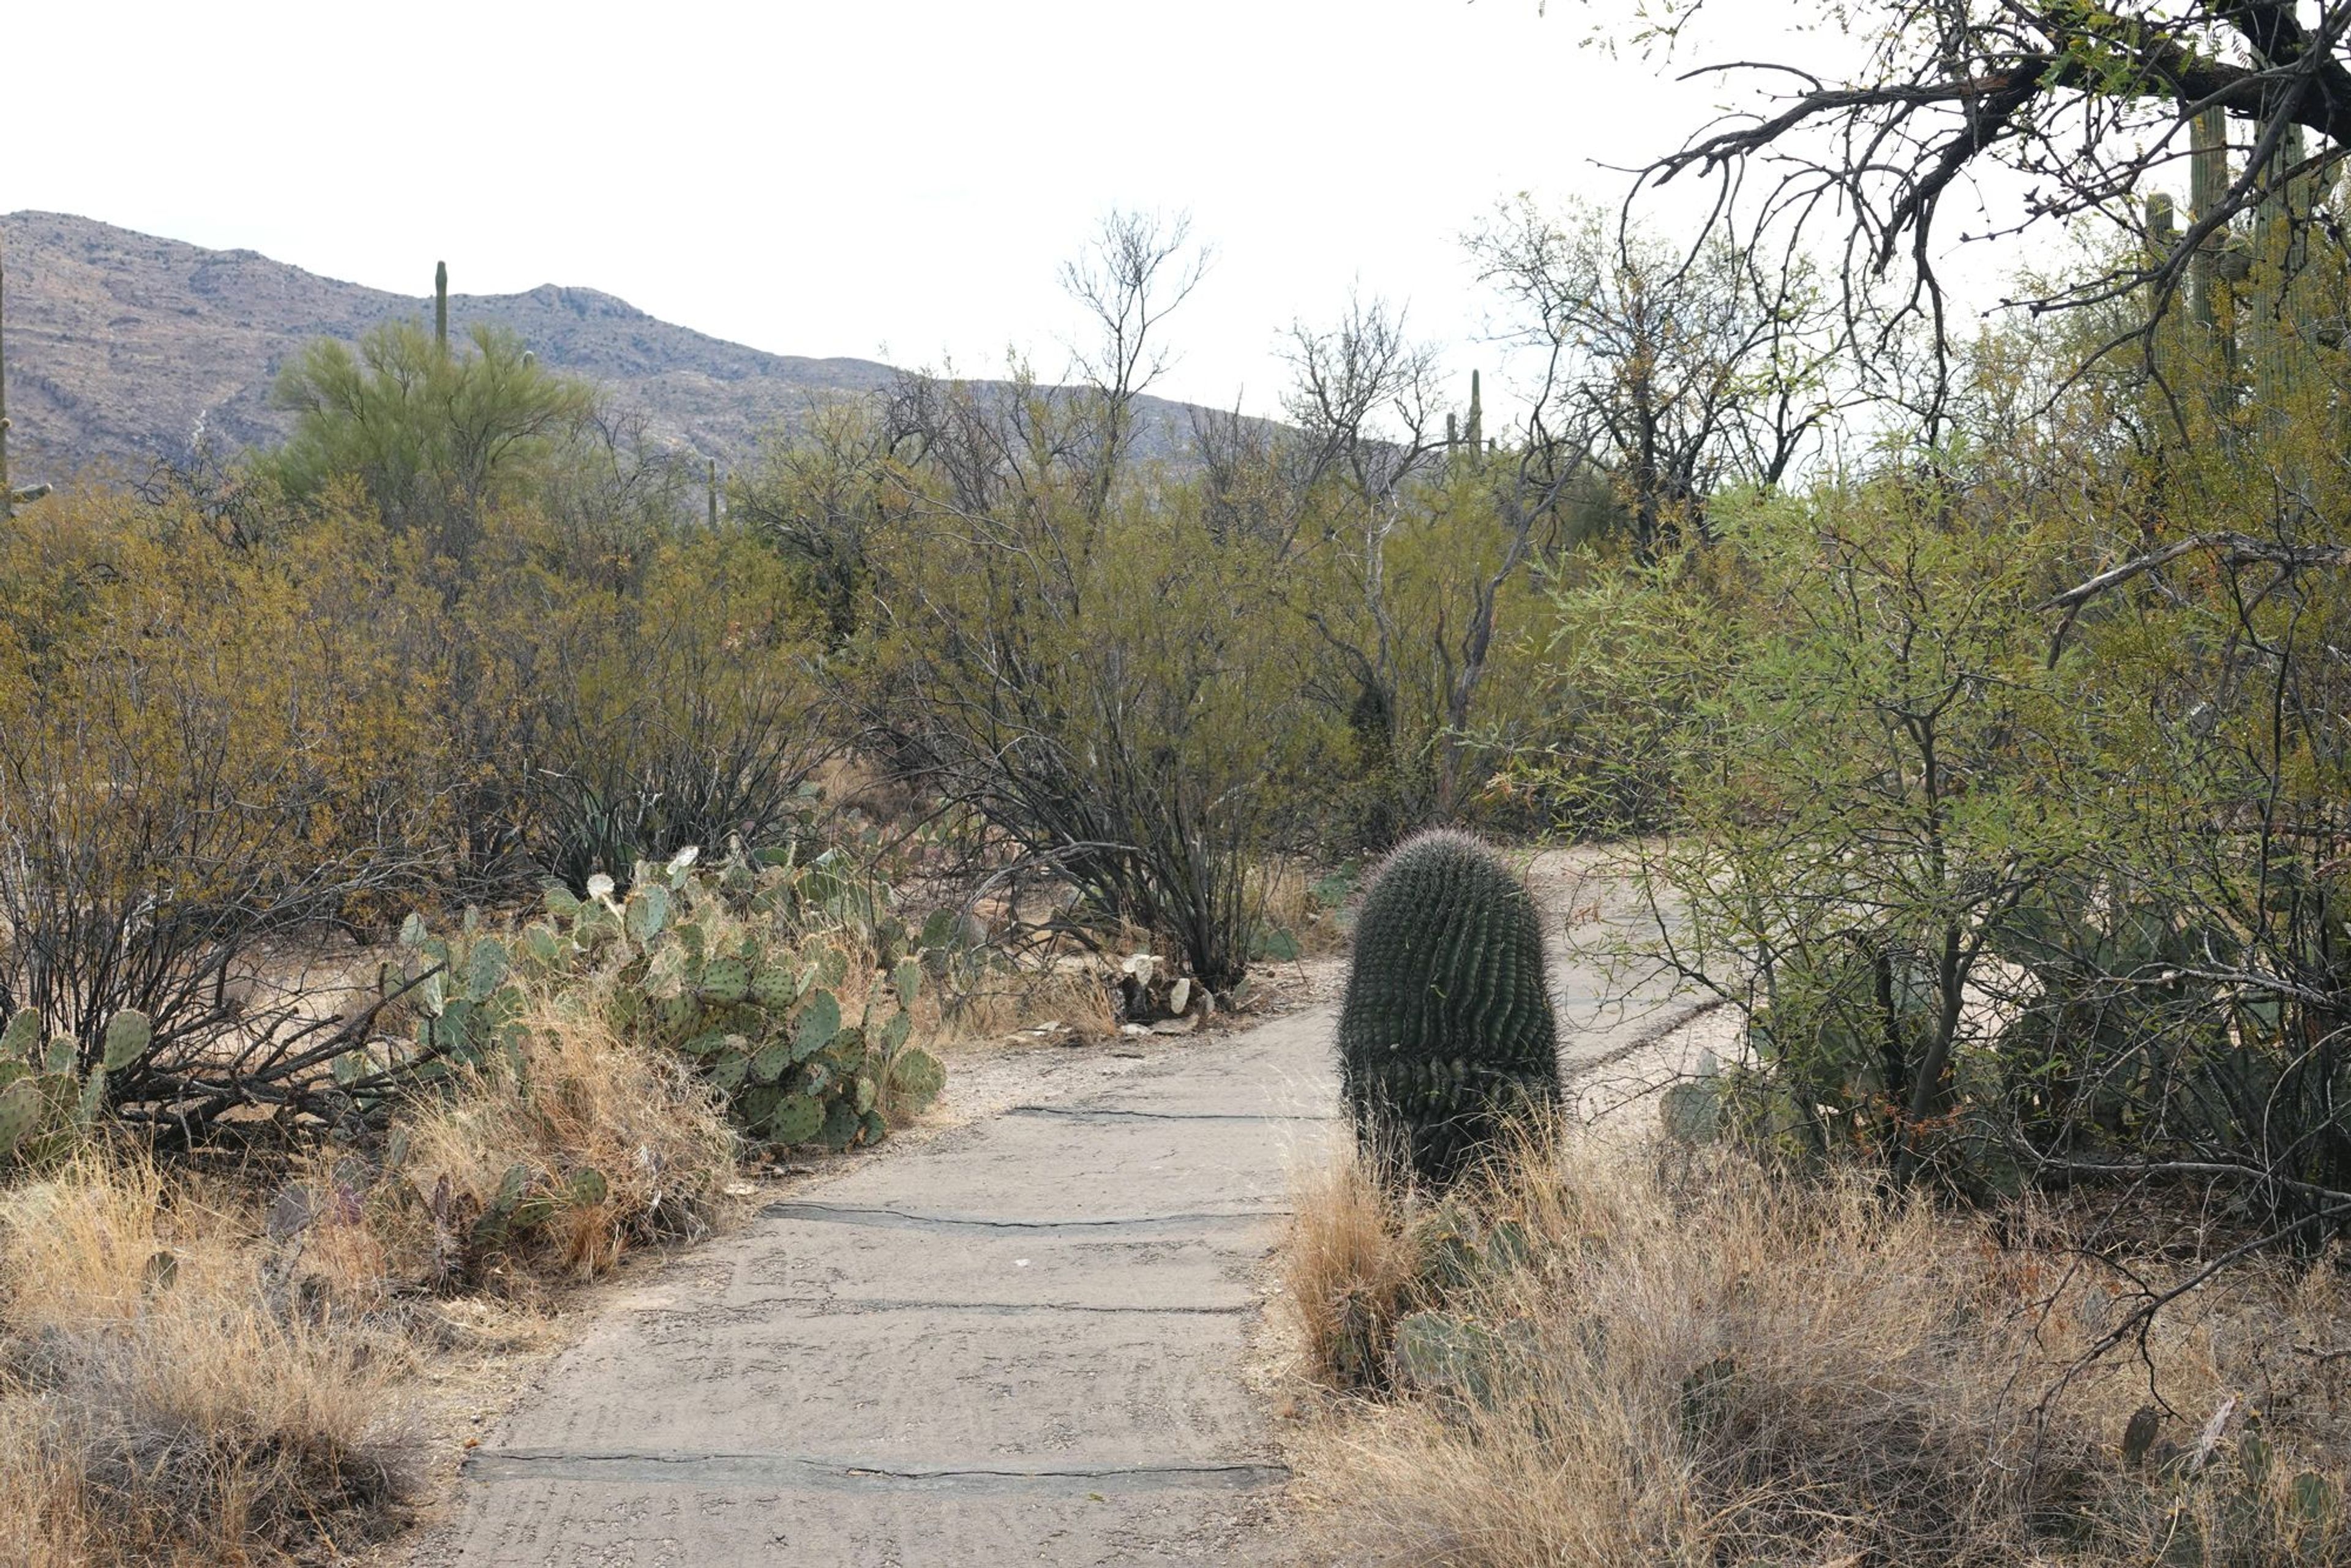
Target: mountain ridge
127, 348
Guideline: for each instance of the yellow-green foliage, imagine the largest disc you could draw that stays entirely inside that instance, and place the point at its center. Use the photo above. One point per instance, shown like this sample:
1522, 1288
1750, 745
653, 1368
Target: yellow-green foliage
438, 441
2020, 873
1156, 671
688, 680
160, 690
1380, 594
325, 696
1100, 672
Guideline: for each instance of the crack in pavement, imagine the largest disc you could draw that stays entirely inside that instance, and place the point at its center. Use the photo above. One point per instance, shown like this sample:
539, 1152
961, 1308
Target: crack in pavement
1107, 1113
899, 1218
1657, 1030
824, 1306
801, 1472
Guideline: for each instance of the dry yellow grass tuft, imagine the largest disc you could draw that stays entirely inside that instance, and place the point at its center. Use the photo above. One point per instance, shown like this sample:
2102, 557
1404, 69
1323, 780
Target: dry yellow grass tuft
1594, 1361
168, 1396
650, 1131
1069, 991
1352, 1265
206, 1373
1290, 896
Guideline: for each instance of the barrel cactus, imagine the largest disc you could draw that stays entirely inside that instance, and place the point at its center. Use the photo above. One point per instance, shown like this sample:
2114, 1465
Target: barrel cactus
1446, 1032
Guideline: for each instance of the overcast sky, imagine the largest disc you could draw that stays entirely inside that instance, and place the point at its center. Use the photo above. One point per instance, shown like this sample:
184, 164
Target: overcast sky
893, 181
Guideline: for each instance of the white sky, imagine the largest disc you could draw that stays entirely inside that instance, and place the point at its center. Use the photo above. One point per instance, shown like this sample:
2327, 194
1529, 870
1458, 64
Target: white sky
894, 181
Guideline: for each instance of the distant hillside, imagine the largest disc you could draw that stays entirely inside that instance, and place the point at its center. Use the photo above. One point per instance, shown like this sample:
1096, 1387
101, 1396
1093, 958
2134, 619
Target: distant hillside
128, 347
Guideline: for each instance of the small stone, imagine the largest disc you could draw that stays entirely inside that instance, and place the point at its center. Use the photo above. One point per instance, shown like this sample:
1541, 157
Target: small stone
290, 1211
1173, 1026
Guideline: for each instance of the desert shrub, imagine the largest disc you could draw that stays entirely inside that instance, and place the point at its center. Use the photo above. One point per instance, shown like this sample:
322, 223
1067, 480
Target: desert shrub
606, 678
203, 753
686, 716
1100, 678
1413, 581
1094, 684
1151, 661
1875, 686
1152, 703
217, 749
2009, 898
438, 439
823, 497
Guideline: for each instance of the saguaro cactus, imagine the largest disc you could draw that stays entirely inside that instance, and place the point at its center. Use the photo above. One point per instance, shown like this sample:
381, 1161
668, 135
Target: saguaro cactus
440, 304
2273, 327
1446, 1032
2255, 306
2208, 177
1464, 435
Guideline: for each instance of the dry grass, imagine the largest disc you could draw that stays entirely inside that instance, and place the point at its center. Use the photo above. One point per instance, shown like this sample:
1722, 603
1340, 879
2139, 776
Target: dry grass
232, 1369
1063, 985
208, 1373
168, 1396
639, 1120
1352, 1270
1286, 888
1070, 989
1698, 1363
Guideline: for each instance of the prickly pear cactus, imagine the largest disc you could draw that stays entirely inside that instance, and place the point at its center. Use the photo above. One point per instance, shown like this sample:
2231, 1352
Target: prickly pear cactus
20, 1114
1446, 1032
741, 967
47, 1105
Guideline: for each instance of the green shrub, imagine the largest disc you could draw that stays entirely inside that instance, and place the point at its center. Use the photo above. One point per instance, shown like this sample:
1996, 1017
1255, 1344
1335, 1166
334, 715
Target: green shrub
438, 441
2011, 894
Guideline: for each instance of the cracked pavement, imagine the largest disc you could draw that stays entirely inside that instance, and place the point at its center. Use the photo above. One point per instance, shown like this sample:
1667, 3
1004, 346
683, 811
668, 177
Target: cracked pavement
1017, 1340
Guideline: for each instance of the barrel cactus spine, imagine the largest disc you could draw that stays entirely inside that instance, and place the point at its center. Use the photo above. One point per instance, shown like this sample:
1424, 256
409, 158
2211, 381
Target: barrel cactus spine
1446, 1038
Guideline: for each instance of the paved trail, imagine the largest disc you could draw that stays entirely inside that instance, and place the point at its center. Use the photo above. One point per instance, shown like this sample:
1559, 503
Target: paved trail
1020, 1342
